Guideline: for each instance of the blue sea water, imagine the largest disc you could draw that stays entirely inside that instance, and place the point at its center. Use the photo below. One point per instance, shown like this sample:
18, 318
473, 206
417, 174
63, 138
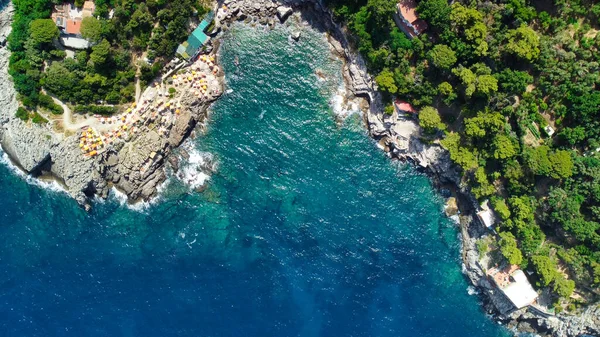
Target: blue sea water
305, 229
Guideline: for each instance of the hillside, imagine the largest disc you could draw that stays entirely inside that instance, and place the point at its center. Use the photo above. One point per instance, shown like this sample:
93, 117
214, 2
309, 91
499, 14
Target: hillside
510, 89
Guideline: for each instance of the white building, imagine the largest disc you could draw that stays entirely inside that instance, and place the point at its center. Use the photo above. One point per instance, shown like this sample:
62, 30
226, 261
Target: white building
514, 285
486, 216
520, 292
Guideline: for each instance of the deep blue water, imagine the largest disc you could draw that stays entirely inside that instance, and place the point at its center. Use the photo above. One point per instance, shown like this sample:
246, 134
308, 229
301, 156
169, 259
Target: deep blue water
306, 229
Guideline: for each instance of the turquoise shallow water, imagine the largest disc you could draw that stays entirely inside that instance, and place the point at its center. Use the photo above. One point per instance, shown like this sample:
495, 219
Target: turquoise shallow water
306, 229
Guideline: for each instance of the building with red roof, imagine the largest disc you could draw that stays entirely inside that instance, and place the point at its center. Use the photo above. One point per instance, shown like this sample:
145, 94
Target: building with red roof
403, 107
68, 18
73, 27
407, 19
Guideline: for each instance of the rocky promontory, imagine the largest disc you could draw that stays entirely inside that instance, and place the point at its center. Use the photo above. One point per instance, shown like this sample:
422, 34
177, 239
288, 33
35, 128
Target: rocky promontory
132, 159
137, 166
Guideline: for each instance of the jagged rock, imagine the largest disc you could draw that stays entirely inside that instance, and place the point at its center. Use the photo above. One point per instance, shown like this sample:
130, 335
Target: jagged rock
296, 35
174, 162
283, 12
451, 206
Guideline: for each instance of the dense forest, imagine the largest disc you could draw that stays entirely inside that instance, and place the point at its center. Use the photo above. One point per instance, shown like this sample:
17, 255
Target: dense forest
488, 77
124, 35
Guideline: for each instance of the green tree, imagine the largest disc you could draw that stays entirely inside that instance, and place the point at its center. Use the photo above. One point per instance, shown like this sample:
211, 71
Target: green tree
545, 268
486, 85
500, 208
429, 119
481, 187
43, 32
463, 16
59, 80
447, 90
459, 154
513, 81
442, 56
563, 287
521, 208
382, 10
561, 163
91, 29
524, 43
100, 53
385, 81
468, 79
509, 249
398, 40
484, 124
537, 160
436, 12
573, 136
504, 147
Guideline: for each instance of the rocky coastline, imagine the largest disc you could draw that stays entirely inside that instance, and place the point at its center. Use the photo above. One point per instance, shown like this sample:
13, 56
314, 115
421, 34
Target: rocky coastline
38, 150
135, 167
400, 137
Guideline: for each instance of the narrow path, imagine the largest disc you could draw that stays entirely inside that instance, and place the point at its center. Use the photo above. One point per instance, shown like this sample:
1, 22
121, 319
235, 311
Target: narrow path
138, 89
68, 123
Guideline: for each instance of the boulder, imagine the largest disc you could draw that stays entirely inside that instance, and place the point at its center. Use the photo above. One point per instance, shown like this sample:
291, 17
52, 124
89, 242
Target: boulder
295, 35
451, 206
283, 12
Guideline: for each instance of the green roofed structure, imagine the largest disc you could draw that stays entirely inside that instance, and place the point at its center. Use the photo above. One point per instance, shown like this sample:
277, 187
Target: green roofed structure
190, 48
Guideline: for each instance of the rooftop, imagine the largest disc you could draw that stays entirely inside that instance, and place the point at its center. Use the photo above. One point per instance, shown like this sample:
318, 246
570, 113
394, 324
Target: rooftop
408, 10
486, 216
515, 286
196, 40
408, 20
73, 27
69, 17
404, 106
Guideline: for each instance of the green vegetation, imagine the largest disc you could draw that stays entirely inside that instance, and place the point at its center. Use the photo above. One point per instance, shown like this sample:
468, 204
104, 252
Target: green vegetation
106, 72
429, 119
493, 75
22, 114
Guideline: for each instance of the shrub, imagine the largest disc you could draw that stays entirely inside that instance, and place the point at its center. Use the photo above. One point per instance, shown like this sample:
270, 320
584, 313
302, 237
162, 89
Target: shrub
500, 207
509, 249
22, 114
429, 119
38, 119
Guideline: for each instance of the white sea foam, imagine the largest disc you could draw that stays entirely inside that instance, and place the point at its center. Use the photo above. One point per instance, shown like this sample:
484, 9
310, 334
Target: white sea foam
341, 107
194, 171
121, 198
142, 205
51, 185
472, 290
455, 218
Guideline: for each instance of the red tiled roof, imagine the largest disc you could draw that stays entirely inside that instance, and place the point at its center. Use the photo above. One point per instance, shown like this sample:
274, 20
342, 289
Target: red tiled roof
73, 27
404, 106
407, 9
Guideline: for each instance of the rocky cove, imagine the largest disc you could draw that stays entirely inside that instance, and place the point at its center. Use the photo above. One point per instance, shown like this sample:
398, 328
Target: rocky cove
36, 148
